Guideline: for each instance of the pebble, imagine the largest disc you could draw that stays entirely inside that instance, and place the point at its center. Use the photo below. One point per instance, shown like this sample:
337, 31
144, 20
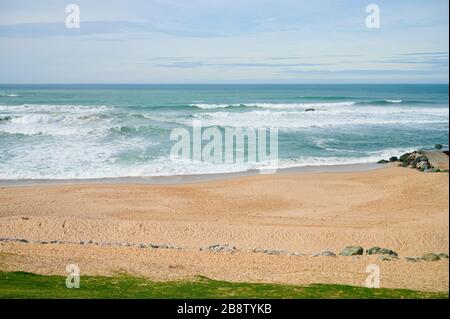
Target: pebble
352, 251
325, 253
431, 257
387, 258
220, 248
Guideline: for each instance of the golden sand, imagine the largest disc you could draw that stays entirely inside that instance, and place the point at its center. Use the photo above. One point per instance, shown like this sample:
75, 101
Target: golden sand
396, 208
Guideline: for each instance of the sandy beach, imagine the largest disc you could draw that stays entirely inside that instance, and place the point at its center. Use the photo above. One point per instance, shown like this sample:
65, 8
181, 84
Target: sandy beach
286, 218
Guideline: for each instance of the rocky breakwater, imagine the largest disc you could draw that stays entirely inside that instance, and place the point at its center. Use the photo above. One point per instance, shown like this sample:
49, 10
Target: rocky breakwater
416, 160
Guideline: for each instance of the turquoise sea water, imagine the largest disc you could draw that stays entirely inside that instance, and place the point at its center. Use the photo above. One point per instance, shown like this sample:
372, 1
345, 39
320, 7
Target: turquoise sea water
96, 131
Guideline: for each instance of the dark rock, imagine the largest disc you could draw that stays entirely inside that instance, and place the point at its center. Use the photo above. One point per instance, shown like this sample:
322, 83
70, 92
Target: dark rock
5, 119
422, 158
386, 258
310, 110
393, 159
373, 251
273, 252
423, 165
163, 246
438, 146
383, 161
430, 257
386, 251
413, 159
405, 157
381, 251
352, 251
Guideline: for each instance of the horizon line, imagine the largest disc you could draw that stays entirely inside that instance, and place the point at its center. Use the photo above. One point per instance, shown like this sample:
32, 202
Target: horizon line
226, 83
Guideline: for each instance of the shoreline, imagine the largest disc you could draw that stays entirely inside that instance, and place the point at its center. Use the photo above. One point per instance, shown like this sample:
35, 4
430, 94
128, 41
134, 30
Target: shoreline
194, 178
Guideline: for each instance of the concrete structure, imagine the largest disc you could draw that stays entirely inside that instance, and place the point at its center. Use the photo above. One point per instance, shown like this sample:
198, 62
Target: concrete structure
437, 158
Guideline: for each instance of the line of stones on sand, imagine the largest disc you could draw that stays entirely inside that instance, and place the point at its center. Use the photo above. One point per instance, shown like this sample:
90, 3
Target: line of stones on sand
385, 254
90, 242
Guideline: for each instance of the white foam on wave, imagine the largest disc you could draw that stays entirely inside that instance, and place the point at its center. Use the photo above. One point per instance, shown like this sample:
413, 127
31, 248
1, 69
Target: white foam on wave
81, 146
74, 157
321, 118
213, 106
43, 129
301, 105
76, 162
394, 101
36, 119
8, 95
369, 157
49, 119
56, 125
55, 108
273, 105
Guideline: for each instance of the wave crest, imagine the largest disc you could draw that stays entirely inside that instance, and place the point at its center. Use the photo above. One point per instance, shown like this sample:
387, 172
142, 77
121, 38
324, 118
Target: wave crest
274, 105
8, 94
55, 108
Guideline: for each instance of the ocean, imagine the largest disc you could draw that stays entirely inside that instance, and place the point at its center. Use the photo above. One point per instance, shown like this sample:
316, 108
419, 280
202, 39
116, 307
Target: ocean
107, 131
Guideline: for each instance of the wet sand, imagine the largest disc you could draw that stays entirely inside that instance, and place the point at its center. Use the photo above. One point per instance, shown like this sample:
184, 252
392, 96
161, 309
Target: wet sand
396, 208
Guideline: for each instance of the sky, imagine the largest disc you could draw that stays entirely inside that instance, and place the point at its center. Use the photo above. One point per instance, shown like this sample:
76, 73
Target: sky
224, 41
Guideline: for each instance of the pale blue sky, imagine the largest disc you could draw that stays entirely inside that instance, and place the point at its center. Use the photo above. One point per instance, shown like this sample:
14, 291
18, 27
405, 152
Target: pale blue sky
224, 41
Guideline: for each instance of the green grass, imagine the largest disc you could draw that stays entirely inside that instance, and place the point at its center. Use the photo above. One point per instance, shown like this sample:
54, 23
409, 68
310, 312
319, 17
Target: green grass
27, 285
